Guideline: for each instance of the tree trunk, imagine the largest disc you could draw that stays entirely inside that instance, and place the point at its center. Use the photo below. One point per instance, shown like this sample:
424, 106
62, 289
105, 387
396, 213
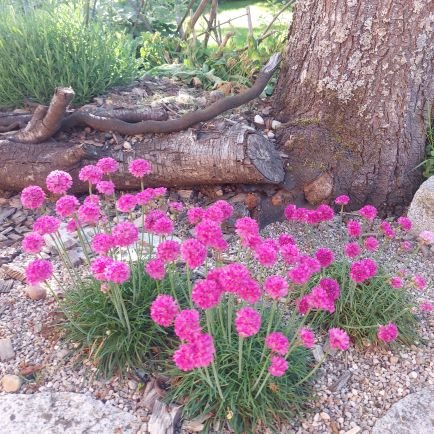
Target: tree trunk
225, 155
354, 94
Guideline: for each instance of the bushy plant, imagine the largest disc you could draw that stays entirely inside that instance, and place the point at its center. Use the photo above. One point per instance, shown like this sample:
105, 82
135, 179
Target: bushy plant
40, 50
232, 338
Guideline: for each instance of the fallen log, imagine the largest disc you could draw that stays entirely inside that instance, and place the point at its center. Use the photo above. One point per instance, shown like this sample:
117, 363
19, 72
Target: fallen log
233, 155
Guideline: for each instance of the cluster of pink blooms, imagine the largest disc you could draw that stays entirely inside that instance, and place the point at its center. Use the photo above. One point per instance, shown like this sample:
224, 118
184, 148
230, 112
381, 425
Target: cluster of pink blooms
387, 333
313, 217
338, 339
107, 269
363, 270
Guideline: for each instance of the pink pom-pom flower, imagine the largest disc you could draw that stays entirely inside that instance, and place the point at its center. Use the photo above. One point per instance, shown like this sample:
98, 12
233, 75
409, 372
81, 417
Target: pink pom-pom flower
278, 366
89, 213
325, 257
102, 243
99, 265
405, 223
307, 337
354, 229
91, 174
125, 234
33, 242
38, 271
387, 333
368, 212
155, 268
352, 250
67, 205
139, 168
277, 342
105, 187
338, 339
117, 272
164, 310
342, 200
46, 224
193, 252
32, 197
108, 165
58, 181
276, 287
168, 251
206, 293
126, 203
247, 322
187, 325
371, 244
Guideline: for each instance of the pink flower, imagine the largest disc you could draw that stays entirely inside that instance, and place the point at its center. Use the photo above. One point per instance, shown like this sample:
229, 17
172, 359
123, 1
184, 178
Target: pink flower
89, 213
338, 339
249, 291
102, 243
369, 212
158, 222
387, 333
405, 223
125, 234
33, 242
176, 206
342, 200
307, 337
126, 203
312, 217
278, 366
145, 196
193, 252
168, 251
406, 246
38, 271
426, 306
225, 207
277, 342
371, 244
325, 257
427, 237
159, 192
32, 197
99, 265
247, 322
286, 239
419, 282
67, 205
206, 293
155, 268
396, 282
387, 229
331, 287
139, 168
246, 226
352, 250
266, 253
290, 212
164, 310
93, 199
91, 174
46, 224
196, 354
117, 272
105, 187
290, 253
302, 304
187, 325
300, 275
354, 229
208, 232
71, 226
300, 214
276, 287
311, 263
108, 165
319, 299
58, 181
214, 213
363, 270
195, 215
325, 213
231, 277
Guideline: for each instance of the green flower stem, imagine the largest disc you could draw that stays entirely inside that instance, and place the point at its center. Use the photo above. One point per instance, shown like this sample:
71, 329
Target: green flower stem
214, 370
240, 355
262, 385
230, 309
261, 373
270, 323
65, 258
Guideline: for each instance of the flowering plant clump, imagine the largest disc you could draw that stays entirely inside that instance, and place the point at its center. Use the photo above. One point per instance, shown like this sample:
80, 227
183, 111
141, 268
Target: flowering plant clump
227, 336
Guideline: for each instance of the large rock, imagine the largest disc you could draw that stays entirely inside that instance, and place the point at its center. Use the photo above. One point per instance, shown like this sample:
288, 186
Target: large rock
6, 350
413, 414
62, 412
421, 209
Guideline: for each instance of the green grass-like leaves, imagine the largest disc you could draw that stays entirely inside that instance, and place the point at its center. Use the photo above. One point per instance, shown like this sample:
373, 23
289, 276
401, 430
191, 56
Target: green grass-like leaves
362, 307
42, 50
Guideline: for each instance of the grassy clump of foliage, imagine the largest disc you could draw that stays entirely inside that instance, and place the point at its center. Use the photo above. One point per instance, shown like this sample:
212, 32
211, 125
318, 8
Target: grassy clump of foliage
95, 324
250, 400
362, 307
41, 49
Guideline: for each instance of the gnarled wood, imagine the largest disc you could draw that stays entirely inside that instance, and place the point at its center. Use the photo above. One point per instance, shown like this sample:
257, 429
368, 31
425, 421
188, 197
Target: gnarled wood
229, 155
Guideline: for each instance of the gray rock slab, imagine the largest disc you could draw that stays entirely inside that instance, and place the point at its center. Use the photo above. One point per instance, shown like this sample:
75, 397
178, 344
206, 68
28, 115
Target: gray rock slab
413, 414
421, 209
6, 350
62, 413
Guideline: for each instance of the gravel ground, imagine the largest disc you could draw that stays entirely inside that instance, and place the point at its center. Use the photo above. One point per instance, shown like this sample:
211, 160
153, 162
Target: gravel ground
354, 388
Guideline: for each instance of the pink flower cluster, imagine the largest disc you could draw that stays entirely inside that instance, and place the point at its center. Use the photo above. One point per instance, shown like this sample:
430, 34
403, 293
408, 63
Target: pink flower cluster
156, 269
307, 337
193, 252
125, 234
91, 174
32, 197
159, 223
338, 339
67, 205
368, 212
108, 165
302, 215
363, 270
46, 224
387, 333
164, 310
139, 168
342, 200
38, 271
126, 203
58, 182
247, 322
278, 366
106, 269
198, 353
276, 287
277, 342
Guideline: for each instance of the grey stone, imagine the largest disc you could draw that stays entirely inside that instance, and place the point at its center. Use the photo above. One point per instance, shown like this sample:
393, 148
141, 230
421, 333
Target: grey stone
421, 210
6, 350
413, 414
63, 412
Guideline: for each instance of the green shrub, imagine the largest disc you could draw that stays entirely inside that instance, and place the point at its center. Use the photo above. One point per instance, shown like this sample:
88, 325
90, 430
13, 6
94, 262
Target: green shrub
249, 403
363, 307
96, 326
41, 50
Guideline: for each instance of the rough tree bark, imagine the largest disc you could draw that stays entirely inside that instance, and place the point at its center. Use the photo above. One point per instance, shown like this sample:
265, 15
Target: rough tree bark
354, 93
227, 154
